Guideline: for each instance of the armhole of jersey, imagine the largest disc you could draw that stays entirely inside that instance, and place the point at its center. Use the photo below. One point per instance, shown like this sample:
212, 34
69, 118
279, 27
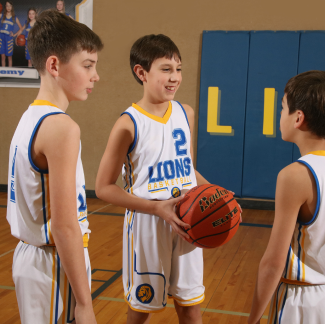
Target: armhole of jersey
31, 141
184, 114
318, 193
135, 132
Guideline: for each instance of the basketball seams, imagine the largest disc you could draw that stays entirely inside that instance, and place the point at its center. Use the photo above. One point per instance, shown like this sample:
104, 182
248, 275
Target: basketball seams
195, 241
194, 201
210, 214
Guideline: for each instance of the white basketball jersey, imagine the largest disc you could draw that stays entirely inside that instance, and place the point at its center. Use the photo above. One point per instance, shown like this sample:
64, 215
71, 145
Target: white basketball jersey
159, 164
306, 256
29, 211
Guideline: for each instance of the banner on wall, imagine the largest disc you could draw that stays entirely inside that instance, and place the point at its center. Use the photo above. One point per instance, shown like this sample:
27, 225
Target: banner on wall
21, 70
20, 73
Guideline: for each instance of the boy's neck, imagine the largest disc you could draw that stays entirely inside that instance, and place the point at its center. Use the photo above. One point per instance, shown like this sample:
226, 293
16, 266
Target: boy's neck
311, 144
154, 108
50, 91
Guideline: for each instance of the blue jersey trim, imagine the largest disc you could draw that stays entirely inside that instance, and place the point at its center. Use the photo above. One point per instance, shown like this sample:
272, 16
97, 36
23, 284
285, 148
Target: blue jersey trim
135, 131
44, 209
283, 303
150, 273
57, 289
318, 193
31, 141
184, 113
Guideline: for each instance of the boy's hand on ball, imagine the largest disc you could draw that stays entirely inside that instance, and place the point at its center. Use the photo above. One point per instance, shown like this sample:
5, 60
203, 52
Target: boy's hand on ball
166, 209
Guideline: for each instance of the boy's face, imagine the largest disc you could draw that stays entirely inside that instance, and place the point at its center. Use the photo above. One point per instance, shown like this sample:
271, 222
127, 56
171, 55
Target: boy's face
77, 77
163, 79
286, 120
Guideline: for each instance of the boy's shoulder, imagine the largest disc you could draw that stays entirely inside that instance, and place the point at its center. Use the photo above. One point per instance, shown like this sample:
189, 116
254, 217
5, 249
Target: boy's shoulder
296, 180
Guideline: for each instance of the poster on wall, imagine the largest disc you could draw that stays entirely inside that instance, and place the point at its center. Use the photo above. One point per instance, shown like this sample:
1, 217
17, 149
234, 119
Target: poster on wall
18, 17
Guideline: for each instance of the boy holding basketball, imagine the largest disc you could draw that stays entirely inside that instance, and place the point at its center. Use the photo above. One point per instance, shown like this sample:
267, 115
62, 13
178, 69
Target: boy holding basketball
47, 208
152, 141
296, 278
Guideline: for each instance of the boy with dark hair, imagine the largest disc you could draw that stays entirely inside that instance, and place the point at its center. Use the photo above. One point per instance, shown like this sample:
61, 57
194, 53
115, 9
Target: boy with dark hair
152, 141
296, 278
47, 208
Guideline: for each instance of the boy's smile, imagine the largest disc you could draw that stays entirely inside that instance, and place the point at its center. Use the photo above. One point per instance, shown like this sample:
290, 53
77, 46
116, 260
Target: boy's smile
163, 79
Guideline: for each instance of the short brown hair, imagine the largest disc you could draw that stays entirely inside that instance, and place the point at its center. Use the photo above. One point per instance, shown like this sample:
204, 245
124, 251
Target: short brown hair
149, 48
57, 34
306, 92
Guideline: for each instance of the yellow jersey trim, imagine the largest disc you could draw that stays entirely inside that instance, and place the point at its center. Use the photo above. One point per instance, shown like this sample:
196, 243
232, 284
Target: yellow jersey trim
162, 120
43, 103
85, 240
321, 153
144, 311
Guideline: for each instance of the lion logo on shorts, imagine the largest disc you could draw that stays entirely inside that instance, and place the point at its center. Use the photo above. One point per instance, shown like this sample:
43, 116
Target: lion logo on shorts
145, 293
175, 192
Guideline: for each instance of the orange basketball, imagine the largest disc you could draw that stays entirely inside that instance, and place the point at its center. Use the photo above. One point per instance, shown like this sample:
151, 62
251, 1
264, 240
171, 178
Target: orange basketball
213, 214
0, 8
21, 41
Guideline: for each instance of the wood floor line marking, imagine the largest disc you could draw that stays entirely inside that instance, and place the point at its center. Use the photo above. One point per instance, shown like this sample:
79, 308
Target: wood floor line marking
227, 268
209, 310
99, 209
7, 287
1, 255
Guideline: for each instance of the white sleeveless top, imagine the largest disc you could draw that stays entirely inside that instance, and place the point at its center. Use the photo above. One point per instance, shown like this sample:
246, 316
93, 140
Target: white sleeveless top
306, 256
28, 211
159, 164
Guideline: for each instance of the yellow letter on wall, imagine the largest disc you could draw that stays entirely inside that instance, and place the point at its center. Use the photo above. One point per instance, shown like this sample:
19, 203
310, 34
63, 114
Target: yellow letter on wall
213, 127
270, 107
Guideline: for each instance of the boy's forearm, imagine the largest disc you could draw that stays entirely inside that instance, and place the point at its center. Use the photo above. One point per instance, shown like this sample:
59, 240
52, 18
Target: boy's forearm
267, 280
117, 196
69, 244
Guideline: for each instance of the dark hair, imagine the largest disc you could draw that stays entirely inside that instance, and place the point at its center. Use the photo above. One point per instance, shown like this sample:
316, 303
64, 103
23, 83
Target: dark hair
306, 92
4, 13
149, 48
57, 34
30, 9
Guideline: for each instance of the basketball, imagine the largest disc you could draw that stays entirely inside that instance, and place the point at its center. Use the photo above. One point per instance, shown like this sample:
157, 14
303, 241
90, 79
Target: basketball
21, 41
0, 8
213, 214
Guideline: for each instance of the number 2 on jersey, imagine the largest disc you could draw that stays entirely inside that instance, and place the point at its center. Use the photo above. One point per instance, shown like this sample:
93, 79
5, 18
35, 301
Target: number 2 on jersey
180, 137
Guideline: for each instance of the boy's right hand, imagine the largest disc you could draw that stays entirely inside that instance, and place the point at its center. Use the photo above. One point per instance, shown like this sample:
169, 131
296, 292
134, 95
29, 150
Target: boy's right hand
166, 209
84, 315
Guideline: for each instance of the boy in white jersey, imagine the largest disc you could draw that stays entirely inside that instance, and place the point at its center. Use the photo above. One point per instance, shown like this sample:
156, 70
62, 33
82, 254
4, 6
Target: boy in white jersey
152, 141
296, 278
47, 207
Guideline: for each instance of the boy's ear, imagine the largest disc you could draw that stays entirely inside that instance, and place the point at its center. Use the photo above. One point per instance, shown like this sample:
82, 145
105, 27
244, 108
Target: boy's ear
300, 118
52, 65
140, 72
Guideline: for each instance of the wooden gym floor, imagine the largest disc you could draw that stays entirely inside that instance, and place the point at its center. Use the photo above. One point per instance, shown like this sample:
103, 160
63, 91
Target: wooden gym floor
229, 271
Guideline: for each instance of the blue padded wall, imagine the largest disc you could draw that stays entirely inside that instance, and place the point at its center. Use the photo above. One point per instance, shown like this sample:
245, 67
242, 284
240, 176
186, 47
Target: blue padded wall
224, 65
273, 60
242, 65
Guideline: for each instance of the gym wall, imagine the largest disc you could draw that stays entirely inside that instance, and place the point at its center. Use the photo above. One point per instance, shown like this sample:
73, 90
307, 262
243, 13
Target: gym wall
119, 24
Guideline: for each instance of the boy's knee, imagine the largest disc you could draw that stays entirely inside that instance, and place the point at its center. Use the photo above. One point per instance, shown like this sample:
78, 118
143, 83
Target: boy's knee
189, 314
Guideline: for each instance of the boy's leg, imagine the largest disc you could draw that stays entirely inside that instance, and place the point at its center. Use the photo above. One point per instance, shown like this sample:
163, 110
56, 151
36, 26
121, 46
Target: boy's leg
188, 314
147, 250
186, 282
42, 288
137, 317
